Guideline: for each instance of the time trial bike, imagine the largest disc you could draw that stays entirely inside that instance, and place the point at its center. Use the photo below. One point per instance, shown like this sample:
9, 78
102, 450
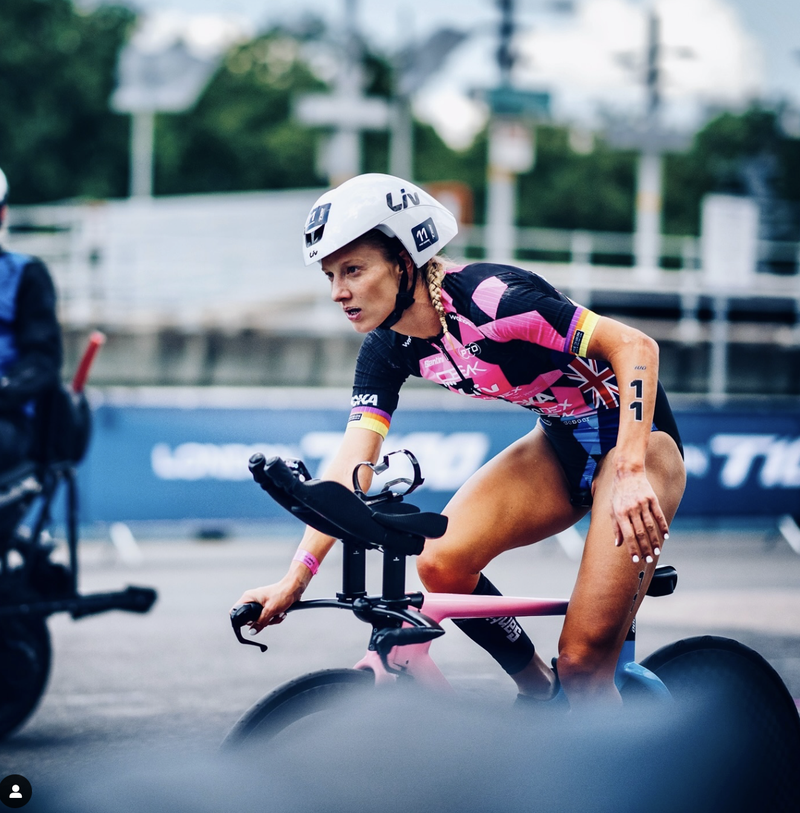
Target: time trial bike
710, 672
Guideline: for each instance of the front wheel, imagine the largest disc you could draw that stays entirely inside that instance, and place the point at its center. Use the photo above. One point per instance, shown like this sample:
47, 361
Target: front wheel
24, 667
725, 686
287, 708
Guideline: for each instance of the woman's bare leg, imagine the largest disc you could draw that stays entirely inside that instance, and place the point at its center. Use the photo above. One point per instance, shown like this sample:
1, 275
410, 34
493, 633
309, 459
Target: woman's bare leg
610, 587
516, 499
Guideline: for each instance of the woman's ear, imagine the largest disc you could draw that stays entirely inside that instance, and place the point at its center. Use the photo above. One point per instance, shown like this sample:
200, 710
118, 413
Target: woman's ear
406, 258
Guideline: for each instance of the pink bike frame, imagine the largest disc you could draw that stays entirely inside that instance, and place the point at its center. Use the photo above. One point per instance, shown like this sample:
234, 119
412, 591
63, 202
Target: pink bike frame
415, 660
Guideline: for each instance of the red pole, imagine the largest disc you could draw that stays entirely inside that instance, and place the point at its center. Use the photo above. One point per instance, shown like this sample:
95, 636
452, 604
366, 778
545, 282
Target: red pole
96, 341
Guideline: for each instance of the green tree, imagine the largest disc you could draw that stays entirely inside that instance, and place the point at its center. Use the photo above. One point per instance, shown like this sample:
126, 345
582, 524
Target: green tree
433, 159
58, 138
567, 190
241, 134
597, 191
717, 158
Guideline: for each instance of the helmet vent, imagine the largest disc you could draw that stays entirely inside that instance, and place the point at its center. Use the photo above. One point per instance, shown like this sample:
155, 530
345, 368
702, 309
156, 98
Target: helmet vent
315, 225
314, 236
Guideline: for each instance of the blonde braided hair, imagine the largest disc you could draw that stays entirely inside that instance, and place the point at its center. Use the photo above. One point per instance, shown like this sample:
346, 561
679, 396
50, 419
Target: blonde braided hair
433, 274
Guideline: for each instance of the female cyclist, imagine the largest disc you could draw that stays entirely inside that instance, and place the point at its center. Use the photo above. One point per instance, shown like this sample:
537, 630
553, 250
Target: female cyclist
605, 436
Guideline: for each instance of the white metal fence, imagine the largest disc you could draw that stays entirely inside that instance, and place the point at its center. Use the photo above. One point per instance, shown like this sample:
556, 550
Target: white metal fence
178, 260
232, 259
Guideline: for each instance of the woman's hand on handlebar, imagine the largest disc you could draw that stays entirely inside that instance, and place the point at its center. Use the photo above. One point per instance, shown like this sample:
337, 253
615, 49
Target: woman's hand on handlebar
275, 600
358, 445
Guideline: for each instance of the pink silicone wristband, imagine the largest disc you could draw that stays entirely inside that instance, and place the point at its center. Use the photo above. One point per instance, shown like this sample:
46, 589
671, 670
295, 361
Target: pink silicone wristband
308, 559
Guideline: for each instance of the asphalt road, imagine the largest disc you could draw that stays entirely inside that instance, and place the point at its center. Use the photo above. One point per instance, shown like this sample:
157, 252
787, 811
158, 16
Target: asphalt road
177, 679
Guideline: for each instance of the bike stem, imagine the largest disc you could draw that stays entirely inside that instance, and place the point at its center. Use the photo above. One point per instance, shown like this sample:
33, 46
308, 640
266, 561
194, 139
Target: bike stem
388, 613
354, 573
394, 576
354, 570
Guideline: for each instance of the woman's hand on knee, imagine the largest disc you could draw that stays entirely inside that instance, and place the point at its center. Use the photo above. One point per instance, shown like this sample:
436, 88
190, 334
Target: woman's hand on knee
639, 523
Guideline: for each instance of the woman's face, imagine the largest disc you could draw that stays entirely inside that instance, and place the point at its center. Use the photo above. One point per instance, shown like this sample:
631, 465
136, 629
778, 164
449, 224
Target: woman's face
363, 282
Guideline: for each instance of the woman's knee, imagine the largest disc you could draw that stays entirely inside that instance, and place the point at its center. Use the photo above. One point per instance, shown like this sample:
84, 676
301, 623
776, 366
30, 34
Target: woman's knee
441, 573
666, 470
584, 664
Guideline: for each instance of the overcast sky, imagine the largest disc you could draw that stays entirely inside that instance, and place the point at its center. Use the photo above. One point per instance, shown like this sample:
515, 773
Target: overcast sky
718, 51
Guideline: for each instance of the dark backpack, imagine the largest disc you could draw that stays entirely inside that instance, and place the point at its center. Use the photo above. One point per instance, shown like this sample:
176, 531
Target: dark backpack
64, 424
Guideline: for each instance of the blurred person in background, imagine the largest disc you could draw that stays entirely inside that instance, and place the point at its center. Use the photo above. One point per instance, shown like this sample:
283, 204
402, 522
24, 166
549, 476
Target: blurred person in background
30, 344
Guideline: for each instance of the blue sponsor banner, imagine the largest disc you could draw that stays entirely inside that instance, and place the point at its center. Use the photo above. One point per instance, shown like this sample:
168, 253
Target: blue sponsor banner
183, 455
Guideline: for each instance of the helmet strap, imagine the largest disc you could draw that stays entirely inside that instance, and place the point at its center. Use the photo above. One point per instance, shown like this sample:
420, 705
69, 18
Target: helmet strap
404, 298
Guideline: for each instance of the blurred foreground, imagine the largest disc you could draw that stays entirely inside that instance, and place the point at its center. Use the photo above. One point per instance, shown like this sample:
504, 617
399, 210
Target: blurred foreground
137, 706
407, 753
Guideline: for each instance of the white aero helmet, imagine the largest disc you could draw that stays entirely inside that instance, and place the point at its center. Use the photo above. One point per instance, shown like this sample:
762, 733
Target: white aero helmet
396, 207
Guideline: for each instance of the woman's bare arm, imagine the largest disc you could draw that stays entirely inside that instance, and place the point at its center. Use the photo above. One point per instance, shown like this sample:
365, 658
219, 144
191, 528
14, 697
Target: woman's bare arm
358, 446
640, 523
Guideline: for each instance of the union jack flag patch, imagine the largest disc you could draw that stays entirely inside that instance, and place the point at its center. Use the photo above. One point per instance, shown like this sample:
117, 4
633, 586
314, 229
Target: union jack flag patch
600, 384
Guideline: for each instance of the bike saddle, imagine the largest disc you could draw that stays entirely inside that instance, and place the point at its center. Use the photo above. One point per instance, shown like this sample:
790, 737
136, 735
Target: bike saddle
333, 509
663, 582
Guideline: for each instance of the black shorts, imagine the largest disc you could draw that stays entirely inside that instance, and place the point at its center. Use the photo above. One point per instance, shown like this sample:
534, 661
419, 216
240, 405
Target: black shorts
579, 443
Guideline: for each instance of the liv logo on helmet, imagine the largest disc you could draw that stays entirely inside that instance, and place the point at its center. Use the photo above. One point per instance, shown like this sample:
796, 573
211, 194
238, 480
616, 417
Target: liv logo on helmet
407, 196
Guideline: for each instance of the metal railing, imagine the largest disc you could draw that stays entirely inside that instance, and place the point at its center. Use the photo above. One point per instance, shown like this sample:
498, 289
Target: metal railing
617, 249
233, 261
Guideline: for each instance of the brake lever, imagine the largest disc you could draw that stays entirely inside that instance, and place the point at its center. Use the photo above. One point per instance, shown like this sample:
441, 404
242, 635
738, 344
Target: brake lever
243, 614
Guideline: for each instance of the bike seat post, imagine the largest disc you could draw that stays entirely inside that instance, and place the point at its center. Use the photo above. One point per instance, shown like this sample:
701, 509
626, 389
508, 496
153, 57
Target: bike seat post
354, 570
627, 654
394, 575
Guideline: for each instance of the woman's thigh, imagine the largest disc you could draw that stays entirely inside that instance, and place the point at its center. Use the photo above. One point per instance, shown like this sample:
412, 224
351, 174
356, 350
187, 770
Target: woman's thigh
517, 498
610, 587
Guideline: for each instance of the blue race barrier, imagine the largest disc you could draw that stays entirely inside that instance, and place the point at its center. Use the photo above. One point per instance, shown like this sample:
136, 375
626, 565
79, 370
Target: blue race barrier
168, 462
